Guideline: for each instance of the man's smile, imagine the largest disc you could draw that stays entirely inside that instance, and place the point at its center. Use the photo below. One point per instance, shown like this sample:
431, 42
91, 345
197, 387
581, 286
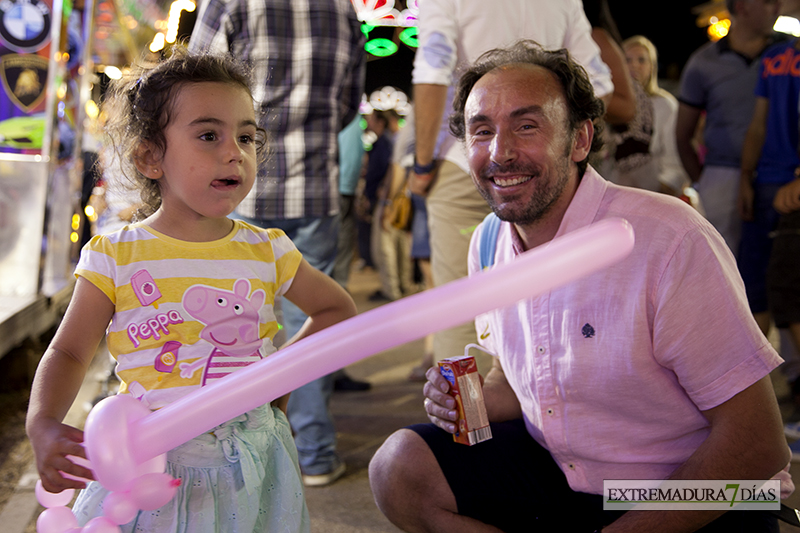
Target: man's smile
508, 181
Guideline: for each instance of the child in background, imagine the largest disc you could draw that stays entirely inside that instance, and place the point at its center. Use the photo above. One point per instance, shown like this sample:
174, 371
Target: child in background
188, 294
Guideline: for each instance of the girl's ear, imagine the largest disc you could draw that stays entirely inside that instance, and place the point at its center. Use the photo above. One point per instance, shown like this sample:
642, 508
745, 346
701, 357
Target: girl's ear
147, 161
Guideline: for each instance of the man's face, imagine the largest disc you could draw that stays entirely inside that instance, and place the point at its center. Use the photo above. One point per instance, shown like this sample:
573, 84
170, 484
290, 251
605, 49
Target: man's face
375, 124
760, 15
790, 8
519, 143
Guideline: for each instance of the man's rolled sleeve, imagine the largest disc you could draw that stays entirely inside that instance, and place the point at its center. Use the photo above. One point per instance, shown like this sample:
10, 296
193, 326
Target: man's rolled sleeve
704, 331
437, 54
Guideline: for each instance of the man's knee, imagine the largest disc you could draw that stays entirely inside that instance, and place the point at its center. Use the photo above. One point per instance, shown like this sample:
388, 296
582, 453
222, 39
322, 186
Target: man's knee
390, 467
405, 478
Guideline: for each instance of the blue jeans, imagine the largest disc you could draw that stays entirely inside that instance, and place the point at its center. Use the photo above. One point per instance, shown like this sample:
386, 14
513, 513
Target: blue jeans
756, 245
309, 415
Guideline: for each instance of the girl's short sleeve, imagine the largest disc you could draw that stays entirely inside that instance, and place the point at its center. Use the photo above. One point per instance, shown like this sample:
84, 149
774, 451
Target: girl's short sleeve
98, 265
287, 259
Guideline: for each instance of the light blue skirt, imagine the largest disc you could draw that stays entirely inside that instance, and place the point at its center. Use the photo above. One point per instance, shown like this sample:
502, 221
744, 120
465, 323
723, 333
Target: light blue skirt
241, 477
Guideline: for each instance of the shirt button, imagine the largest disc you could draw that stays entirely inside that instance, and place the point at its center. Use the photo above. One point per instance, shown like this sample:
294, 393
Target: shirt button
540, 349
550, 412
571, 466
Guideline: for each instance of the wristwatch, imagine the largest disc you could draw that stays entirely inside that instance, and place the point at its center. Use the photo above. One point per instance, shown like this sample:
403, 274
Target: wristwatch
424, 169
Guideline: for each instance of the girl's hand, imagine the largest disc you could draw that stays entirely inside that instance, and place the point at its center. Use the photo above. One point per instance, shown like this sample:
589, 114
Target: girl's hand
52, 441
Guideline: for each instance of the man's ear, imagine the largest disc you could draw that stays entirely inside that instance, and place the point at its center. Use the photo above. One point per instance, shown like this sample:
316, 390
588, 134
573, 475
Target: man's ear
582, 141
147, 160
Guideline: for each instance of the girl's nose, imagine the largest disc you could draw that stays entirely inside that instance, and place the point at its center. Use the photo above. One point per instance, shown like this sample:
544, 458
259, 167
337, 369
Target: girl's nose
234, 151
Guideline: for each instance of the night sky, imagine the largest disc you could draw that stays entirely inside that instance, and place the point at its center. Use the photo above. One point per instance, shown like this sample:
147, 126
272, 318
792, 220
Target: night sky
671, 26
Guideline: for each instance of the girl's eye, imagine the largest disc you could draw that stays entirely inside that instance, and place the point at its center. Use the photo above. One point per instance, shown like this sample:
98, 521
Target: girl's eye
209, 136
246, 139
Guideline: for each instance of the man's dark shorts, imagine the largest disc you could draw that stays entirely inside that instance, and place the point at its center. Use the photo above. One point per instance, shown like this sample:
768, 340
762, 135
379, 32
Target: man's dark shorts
513, 483
783, 273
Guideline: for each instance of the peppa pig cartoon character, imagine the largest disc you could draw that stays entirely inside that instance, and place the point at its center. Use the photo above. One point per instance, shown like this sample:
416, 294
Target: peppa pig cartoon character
231, 321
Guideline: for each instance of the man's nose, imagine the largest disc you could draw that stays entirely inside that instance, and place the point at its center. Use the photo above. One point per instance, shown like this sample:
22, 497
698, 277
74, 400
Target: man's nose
503, 147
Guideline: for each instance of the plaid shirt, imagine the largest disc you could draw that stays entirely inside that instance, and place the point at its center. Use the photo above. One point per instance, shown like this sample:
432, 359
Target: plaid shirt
309, 56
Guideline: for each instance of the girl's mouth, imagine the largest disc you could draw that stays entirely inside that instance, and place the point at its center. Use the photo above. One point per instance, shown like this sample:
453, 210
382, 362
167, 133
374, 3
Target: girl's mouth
225, 183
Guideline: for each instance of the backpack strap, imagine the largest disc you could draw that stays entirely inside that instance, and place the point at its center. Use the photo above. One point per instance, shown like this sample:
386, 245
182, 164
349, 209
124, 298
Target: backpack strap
488, 242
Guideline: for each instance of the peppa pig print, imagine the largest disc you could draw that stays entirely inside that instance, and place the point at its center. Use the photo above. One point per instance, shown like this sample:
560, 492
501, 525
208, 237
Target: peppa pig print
231, 320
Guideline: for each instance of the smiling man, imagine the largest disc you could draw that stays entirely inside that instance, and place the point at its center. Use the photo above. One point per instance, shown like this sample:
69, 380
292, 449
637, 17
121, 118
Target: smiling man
650, 369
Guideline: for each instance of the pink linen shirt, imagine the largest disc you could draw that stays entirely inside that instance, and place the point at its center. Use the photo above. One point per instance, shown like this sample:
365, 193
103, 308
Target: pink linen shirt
613, 371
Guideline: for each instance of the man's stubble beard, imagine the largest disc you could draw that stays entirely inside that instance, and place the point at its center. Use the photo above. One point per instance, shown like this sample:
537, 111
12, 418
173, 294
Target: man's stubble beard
540, 202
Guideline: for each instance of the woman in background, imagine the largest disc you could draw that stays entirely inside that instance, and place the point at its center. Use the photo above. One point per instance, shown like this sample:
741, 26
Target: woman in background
642, 61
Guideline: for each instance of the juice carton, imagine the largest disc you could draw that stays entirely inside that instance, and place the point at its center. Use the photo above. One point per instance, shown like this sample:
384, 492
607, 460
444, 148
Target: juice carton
465, 387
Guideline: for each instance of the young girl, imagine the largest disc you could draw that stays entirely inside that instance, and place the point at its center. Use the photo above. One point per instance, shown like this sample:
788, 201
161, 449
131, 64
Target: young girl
188, 294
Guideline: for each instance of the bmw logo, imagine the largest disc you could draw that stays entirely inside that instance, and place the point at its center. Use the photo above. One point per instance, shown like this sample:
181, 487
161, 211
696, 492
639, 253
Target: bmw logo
24, 24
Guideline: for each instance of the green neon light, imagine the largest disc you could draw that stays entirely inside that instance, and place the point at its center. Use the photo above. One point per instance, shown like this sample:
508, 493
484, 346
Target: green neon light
366, 28
380, 47
409, 37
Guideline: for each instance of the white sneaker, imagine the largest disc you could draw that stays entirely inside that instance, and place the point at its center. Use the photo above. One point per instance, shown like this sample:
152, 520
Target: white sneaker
320, 480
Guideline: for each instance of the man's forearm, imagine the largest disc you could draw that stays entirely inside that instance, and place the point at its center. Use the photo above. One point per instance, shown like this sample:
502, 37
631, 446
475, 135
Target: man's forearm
751, 150
746, 442
685, 127
501, 402
754, 138
689, 159
429, 103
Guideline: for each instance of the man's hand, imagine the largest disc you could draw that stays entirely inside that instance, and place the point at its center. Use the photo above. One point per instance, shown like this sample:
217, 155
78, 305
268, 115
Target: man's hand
440, 406
787, 199
420, 184
746, 194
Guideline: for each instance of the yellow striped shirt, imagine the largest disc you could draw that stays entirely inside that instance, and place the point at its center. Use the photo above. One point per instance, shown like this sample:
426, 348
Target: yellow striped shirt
188, 312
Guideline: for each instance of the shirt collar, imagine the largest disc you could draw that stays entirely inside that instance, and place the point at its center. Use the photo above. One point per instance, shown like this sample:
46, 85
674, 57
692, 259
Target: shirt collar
582, 210
723, 46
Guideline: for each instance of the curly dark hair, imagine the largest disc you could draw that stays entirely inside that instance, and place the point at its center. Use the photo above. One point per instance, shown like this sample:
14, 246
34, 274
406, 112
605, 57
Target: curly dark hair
581, 101
139, 105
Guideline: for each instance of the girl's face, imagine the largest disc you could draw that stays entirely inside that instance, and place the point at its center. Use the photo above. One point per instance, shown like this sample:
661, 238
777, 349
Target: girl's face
210, 161
638, 63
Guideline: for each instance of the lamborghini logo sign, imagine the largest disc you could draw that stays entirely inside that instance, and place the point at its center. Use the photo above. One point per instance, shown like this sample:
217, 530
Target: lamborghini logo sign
24, 78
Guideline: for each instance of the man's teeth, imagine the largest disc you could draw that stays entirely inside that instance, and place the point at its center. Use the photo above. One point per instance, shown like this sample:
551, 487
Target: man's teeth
508, 182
